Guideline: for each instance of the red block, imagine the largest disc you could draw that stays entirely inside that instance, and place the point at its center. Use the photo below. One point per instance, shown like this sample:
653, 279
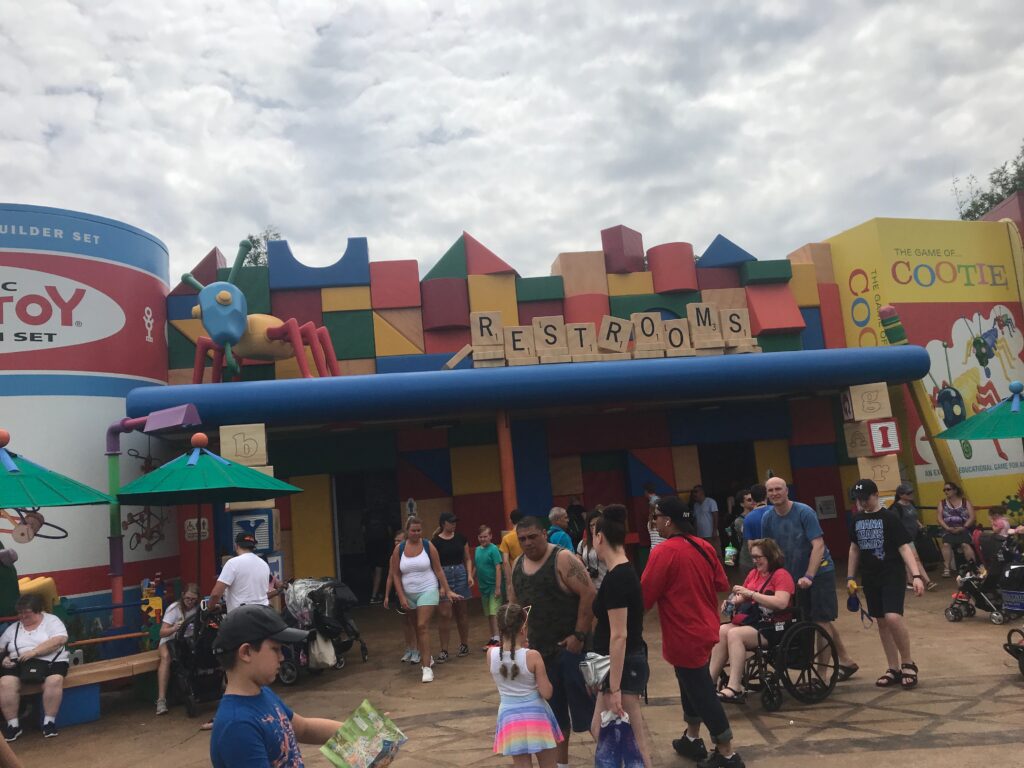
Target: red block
605, 487
623, 250
301, 303
450, 340
531, 309
414, 484
718, 277
610, 432
205, 272
659, 461
586, 308
284, 506
639, 512
825, 481
410, 440
394, 284
831, 316
480, 260
773, 309
812, 422
478, 509
445, 303
673, 268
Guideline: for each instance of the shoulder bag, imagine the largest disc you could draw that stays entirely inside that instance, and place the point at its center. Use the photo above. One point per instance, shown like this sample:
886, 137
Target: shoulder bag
34, 670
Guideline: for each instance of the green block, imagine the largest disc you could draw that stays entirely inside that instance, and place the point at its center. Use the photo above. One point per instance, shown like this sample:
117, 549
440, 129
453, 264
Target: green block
473, 433
539, 288
671, 303
345, 453
258, 372
254, 283
351, 333
780, 342
181, 352
603, 462
452, 264
772, 271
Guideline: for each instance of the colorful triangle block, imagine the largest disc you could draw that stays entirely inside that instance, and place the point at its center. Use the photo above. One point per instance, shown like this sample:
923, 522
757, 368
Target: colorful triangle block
480, 260
723, 252
651, 465
452, 264
435, 464
205, 272
389, 341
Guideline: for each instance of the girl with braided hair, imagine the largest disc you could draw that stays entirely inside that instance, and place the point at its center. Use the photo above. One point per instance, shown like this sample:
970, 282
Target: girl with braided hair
526, 725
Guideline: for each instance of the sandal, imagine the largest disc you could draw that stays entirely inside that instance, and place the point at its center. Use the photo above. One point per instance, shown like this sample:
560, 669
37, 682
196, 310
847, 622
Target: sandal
909, 679
945, 573
890, 678
931, 585
846, 671
736, 697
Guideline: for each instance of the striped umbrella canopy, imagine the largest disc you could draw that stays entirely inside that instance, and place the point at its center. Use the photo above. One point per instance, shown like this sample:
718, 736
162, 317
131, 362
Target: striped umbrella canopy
24, 484
1003, 420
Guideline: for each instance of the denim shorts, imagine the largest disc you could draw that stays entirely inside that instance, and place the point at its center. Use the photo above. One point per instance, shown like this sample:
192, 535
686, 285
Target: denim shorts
635, 674
571, 701
458, 581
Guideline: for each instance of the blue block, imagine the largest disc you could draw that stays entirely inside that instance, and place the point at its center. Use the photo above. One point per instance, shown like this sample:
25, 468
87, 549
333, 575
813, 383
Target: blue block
812, 336
435, 464
808, 456
533, 473
258, 522
417, 363
723, 253
640, 475
353, 268
80, 704
730, 422
180, 307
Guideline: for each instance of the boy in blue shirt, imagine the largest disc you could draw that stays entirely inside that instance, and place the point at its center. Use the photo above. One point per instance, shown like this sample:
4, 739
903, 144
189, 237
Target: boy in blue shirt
253, 727
488, 580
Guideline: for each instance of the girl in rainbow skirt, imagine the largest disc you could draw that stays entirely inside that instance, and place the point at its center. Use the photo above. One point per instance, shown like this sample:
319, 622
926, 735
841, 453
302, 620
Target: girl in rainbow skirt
526, 724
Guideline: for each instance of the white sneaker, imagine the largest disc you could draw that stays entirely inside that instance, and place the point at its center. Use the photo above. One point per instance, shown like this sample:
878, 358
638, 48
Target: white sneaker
415, 657
428, 675
407, 656
161, 706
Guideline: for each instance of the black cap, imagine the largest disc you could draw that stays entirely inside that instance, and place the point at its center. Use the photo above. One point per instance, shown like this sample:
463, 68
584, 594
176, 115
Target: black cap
676, 510
447, 517
864, 489
245, 540
254, 624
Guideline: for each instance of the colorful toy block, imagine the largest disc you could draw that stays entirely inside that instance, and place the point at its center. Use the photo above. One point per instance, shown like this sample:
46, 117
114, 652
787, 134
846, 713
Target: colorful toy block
254, 283
302, 304
724, 253
566, 475
623, 250
539, 288
672, 267
773, 309
650, 465
365, 367
313, 538
395, 284
717, 277
586, 308
346, 298
582, 273
389, 341
353, 268
351, 333
812, 337
761, 272
804, 285
181, 350
632, 284
771, 457
245, 444
480, 260
671, 305
435, 464
725, 298
780, 342
494, 293
413, 483
831, 316
533, 473
180, 307
408, 322
452, 264
529, 310
884, 470
685, 466
445, 303
818, 254
811, 421
475, 469
205, 272
857, 439
735, 325
450, 340
867, 402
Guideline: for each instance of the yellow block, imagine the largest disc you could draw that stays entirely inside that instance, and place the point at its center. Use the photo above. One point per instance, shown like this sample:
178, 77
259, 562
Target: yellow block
191, 330
772, 459
345, 298
475, 469
494, 293
849, 474
804, 285
686, 464
313, 527
44, 586
289, 368
632, 284
388, 341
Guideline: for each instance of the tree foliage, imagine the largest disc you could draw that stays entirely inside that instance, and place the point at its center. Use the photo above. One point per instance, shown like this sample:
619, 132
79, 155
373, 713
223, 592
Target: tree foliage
1003, 181
258, 255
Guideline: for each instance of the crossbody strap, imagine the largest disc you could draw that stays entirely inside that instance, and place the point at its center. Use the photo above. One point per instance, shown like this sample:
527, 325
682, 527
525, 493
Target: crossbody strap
17, 628
699, 549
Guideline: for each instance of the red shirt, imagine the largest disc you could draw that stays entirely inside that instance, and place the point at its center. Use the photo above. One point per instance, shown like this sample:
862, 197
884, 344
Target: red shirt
778, 580
685, 587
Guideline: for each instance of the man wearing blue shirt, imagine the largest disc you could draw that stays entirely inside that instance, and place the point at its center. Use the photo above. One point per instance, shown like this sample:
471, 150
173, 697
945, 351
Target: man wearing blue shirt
557, 533
795, 528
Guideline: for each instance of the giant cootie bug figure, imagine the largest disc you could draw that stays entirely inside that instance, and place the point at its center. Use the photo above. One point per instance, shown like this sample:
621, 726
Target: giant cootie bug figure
235, 335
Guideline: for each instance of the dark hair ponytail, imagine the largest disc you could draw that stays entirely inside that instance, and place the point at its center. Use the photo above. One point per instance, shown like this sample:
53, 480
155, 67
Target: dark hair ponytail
612, 524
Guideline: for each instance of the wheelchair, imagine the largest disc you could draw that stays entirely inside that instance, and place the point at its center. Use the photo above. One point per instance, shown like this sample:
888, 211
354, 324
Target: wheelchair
794, 656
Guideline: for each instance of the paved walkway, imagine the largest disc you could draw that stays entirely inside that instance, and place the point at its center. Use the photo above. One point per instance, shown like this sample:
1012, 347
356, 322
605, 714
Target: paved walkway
965, 711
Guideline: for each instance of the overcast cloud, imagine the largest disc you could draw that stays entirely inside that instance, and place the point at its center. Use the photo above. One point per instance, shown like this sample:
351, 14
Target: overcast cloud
531, 125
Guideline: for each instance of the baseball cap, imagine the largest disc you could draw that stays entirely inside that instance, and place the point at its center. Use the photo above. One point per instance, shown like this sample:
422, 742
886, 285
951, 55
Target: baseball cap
675, 509
864, 489
253, 624
448, 517
245, 540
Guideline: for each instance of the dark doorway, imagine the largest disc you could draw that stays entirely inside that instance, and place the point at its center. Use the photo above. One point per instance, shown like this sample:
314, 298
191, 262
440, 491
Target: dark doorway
725, 468
367, 513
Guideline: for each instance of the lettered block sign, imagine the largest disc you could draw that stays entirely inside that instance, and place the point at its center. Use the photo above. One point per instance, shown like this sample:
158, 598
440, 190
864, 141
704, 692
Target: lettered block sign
614, 334
236, 506
864, 402
735, 324
648, 330
885, 438
858, 440
549, 335
519, 341
485, 329
677, 335
244, 444
582, 338
703, 321
884, 470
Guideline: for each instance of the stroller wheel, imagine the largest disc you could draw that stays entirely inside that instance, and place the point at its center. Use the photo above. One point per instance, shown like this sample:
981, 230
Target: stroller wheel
970, 610
953, 613
364, 651
340, 663
996, 617
288, 672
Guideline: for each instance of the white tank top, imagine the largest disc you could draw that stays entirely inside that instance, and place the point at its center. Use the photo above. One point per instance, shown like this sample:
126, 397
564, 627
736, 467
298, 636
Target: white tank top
417, 572
524, 685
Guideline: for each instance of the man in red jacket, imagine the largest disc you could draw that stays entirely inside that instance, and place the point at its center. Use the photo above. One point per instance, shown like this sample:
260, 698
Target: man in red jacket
683, 577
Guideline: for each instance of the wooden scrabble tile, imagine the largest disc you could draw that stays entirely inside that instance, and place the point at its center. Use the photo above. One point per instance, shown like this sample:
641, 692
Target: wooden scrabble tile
458, 357
703, 320
582, 338
488, 353
614, 334
485, 329
558, 358
858, 439
677, 334
549, 334
615, 356
648, 354
742, 349
532, 360
735, 324
587, 358
680, 352
707, 343
489, 363
648, 330
519, 341
709, 352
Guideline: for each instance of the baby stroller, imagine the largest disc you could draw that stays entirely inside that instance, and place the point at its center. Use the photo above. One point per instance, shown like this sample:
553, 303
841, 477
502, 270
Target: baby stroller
196, 676
320, 605
996, 586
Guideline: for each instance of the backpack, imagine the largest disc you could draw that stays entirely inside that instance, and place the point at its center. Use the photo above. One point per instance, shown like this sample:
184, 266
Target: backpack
426, 547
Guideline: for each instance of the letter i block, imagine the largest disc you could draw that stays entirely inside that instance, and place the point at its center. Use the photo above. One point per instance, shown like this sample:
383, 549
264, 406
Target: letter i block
549, 335
519, 342
614, 334
677, 338
648, 330
885, 437
582, 338
485, 329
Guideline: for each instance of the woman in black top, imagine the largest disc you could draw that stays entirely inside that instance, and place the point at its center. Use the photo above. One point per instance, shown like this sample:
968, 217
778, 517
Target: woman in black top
619, 629
457, 564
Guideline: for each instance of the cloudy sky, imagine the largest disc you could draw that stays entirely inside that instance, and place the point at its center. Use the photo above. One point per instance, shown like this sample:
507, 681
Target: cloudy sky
531, 125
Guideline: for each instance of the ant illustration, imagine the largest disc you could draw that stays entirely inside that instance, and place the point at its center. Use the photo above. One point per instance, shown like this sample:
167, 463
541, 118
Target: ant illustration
989, 345
235, 335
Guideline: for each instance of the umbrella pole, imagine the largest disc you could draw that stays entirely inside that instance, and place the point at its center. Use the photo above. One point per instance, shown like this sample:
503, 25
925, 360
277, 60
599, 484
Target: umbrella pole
116, 539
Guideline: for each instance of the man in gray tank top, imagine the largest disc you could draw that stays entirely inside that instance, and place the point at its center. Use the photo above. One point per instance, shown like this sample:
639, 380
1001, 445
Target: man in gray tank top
555, 585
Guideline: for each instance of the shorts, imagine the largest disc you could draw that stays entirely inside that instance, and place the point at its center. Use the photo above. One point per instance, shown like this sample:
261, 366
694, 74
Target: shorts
956, 539
421, 599
490, 604
458, 581
635, 674
571, 701
56, 668
885, 598
819, 601
378, 552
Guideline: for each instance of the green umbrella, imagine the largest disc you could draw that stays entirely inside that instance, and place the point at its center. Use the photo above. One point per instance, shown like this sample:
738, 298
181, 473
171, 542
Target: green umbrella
202, 477
24, 483
1002, 421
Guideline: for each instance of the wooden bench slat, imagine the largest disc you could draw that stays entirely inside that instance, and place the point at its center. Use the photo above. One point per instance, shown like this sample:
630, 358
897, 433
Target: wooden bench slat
105, 670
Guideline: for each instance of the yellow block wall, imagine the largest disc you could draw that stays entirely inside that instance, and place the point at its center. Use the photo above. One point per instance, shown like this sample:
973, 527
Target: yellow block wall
313, 527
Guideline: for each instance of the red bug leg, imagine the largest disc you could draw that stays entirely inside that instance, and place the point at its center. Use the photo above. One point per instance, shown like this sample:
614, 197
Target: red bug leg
310, 339
289, 331
203, 345
218, 365
328, 346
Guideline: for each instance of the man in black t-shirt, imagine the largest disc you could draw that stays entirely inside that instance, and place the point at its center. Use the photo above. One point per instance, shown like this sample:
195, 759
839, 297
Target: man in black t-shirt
880, 544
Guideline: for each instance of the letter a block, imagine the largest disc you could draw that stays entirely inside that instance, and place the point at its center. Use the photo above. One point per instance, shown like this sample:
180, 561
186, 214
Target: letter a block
858, 441
884, 470
648, 330
582, 338
485, 329
244, 444
519, 342
869, 401
614, 334
549, 335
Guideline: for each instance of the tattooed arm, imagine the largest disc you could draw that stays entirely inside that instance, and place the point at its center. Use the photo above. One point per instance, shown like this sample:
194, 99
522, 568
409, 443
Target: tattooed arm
575, 579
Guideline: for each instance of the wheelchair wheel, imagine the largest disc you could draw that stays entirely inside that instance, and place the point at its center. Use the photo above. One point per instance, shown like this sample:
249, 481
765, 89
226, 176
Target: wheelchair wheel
807, 662
771, 696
